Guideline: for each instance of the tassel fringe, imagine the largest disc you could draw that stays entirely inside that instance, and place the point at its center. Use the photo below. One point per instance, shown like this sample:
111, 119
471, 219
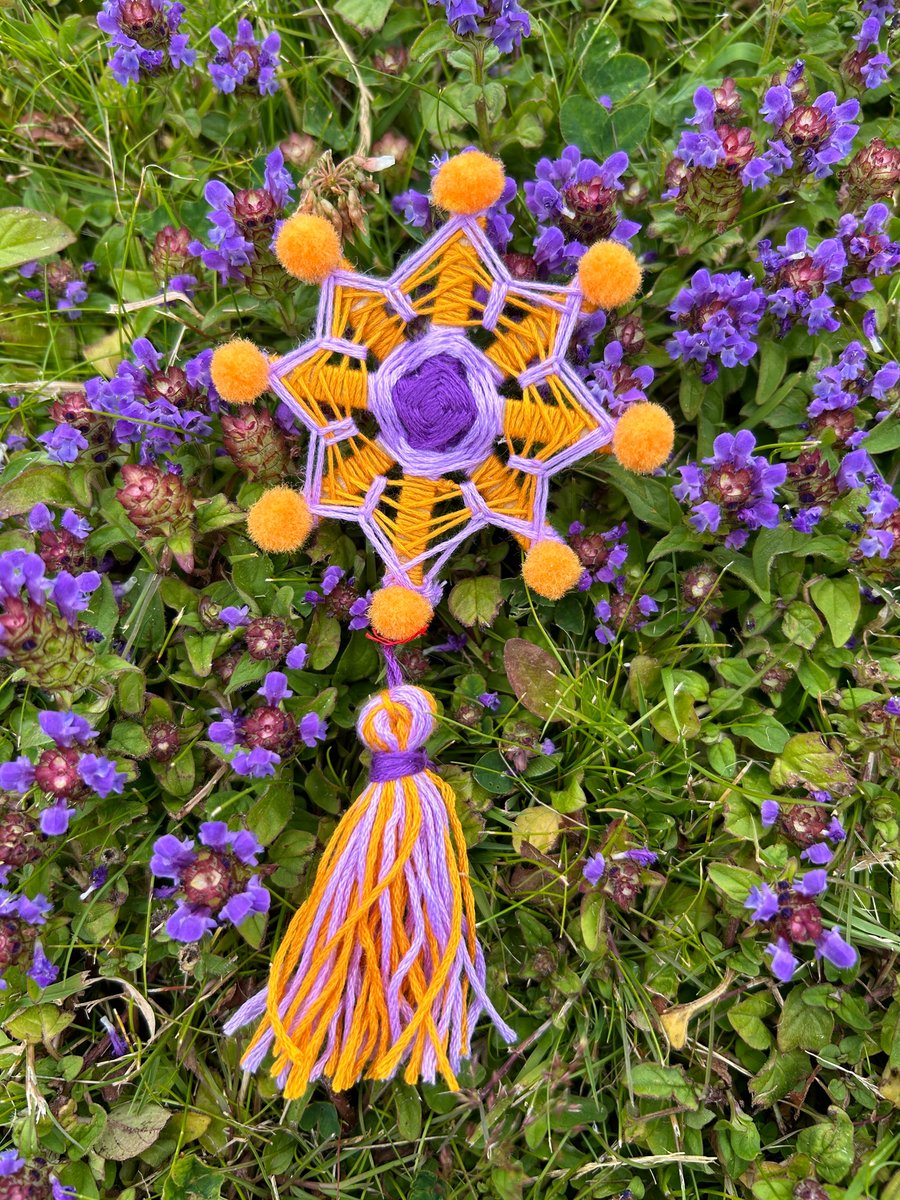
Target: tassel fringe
381, 967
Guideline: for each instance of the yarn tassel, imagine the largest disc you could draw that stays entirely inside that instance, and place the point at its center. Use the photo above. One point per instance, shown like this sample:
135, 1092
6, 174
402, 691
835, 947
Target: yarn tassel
380, 967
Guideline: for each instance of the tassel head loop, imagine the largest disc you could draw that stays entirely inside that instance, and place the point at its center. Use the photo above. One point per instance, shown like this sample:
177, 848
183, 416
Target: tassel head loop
381, 967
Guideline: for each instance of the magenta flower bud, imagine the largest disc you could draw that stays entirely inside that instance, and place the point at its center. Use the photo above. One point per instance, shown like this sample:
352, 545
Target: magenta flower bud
392, 60
254, 211
738, 145
171, 254
624, 884
207, 882
699, 583
589, 212
269, 728
628, 331
728, 100
268, 638
521, 266
164, 741
56, 772
873, 173
256, 445
393, 145
806, 127
156, 502
299, 149
17, 840
169, 384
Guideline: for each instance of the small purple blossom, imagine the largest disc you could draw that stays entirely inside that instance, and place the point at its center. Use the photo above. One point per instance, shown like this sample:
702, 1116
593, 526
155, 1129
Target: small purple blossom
235, 617
719, 316
594, 869
792, 913
225, 732
312, 729
140, 47
17, 776
244, 64
54, 820
101, 775
66, 728
296, 658
489, 700
275, 688
63, 443
257, 763
42, 970
734, 494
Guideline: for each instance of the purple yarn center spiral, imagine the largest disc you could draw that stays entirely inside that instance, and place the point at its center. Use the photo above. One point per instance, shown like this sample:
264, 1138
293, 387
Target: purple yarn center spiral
435, 404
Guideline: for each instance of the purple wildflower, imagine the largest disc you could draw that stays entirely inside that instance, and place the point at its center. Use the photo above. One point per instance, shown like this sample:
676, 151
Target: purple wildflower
71, 593
798, 277
869, 250
42, 970
215, 882
505, 22
312, 729
257, 763
235, 617
243, 223
142, 35
296, 658
244, 64
275, 688
617, 384
66, 728
17, 776
792, 913
225, 732
55, 819
808, 138
101, 775
594, 869
63, 443
719, 315
574, 201
489, 700
734, 495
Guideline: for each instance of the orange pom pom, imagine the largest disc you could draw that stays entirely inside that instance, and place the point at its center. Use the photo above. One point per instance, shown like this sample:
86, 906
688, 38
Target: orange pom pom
468, 183
240, 371
609, 274
308, 248
280, 520
551, 569
398, 614
643, 438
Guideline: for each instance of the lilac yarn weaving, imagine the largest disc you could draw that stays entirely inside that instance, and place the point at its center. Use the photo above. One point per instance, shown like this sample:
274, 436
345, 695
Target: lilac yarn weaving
435, 404
388, 766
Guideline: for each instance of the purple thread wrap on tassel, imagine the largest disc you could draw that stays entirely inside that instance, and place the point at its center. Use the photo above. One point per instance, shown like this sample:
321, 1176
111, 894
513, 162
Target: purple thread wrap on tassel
387, 766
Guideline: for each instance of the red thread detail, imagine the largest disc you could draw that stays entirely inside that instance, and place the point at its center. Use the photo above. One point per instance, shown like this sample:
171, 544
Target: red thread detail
382, 641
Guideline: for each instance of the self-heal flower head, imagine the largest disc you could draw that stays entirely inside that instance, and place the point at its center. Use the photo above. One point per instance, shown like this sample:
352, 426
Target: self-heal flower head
244, 64
101, 775
144, 38
732, 493
214, 882
505, 22
792, 913
242, 224
66, 728
868, 248
718, 317
575, 202
798, 277
808, 138
617, 384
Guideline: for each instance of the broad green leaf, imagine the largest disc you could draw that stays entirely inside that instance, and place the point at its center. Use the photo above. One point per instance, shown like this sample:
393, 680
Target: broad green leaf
772, 365
622, 76
47, 483
800, 625
838, 600
476, 601
664, 1083
782, 1073
678, 722
539, 826
26, 235
130, 1131
191, 1179
807, 761
735, 882
830, 1145
533, 675
803, 1026
748, 1020
367, 16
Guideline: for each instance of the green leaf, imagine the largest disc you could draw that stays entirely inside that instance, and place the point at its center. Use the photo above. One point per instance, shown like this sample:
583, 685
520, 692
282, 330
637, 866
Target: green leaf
191, 1179
492, 773
476, 601
538, 826
49, 484
130, 1131
764, 731
735, 882
651, 499
41, 1023
368, 16
677, 721
807, 761
664, 1083
800, 625
782, 1073
26, 234
838, 600
128, 737
829, 1145
599, 133
747, 1019
409, 1112
885, 436
602, 44
323, 640
622, 76
533, 675
272, 811
691, 391
803, 1026
771, 542
773, 360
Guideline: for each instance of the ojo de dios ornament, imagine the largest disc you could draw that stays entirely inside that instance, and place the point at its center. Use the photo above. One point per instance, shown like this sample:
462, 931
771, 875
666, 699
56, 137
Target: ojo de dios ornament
437, 402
